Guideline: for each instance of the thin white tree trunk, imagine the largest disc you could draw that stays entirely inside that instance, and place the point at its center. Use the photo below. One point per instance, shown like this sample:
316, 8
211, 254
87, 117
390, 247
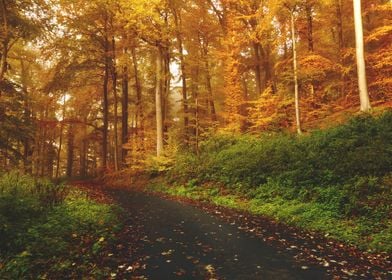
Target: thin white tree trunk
158, 102
361, 68
296, 94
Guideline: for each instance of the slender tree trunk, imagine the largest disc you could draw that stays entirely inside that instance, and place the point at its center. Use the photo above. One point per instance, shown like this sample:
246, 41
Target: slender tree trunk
105, 102
44, 144
114, 85
309, 18
257, 69
195, 95
70, 151
60, 140
83, 151
269, 76
341, 44
296, 94
197, 132
4, 54
338, 4
165, 86
158, 102
361, 67
51, 156
178, 24
27, 150
209, 84
124, 113
138, 89
139, 116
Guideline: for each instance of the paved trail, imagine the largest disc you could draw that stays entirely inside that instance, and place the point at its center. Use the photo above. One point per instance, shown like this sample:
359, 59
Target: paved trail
179, 241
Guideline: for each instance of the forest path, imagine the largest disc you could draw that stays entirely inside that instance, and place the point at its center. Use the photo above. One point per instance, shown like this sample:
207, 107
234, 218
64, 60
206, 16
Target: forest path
179, 241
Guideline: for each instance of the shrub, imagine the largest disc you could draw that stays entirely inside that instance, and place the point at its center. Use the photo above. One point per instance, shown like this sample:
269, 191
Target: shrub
362, 147
44, 227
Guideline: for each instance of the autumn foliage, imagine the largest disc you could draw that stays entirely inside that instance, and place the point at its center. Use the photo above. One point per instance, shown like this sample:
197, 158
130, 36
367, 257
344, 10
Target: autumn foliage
104, 86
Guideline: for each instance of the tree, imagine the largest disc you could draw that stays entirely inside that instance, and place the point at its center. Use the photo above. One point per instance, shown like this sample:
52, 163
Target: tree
361, 67
295, 70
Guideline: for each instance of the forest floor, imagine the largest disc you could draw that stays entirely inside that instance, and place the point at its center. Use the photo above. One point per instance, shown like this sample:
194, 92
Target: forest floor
166, 237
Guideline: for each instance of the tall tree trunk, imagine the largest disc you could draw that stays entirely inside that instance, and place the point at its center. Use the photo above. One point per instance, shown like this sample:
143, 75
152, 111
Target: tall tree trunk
208, 82
158, 101
114, 88
361, 67
341, 44
296, 94
105, 101
270, 76
70, 151
83, 151
60, 140
138, 89
124, 113
5, 42
257, 68
338, 4
195, 95
166, 87
178, 24
50, 156
309, 19
138, 128
27, 150
44, 147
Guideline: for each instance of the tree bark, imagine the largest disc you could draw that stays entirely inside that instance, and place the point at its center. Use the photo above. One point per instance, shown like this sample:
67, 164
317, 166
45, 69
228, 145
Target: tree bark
4, 54
309, 19
105, 101
158, 102
338, 4
70, 151
296, 94
114, 88
165, 87
27, 149
124, 113
60, 140
83, 151
208, 83
178, 24
257, 68
361, 67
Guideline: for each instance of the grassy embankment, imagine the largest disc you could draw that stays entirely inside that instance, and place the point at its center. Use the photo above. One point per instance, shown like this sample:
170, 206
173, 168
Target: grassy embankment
50, 231
336, 181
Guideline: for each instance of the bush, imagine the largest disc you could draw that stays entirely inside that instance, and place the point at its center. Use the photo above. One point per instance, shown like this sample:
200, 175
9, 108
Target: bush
23, 200
362, 147
44, 227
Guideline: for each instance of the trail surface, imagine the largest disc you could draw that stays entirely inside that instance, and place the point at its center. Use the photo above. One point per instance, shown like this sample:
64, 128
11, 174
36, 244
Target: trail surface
179, 241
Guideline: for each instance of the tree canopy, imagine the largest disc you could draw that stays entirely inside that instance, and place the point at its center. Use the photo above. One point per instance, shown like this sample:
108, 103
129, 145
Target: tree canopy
93, 86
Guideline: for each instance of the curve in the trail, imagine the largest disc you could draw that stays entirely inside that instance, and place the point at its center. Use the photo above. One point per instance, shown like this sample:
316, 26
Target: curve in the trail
182, 242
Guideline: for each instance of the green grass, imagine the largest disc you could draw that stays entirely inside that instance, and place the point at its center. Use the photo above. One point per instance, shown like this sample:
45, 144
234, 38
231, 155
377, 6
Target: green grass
336, 181
52, 231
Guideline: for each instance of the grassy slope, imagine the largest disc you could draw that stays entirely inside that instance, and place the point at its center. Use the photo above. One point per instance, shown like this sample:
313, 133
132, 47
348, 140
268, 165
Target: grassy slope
337, 181
49, 231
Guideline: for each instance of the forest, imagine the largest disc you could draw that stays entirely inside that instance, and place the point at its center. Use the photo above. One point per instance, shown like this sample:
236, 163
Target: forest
279, 109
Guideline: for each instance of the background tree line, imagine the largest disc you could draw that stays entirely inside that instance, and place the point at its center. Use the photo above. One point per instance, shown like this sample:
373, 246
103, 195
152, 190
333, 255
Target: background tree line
93, 86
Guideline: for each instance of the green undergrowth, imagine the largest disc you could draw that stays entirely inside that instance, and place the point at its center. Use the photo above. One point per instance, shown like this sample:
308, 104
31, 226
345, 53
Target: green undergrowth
336, 181
49, 231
